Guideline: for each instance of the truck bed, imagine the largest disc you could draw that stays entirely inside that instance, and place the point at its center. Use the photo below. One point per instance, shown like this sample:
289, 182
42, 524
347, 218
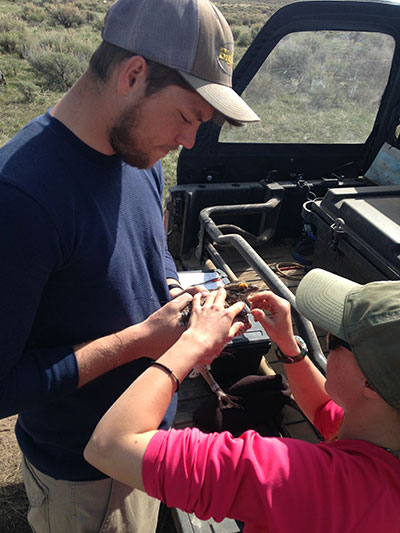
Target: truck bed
193, 392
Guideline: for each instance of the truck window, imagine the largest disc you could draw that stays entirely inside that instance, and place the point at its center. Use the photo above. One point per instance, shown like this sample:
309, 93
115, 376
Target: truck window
318, 87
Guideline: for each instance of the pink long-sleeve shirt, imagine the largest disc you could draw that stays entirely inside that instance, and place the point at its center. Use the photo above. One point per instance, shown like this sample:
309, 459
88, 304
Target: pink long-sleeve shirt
277, 485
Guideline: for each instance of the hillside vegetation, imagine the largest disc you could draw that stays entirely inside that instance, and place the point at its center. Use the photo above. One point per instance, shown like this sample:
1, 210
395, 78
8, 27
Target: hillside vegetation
45, 46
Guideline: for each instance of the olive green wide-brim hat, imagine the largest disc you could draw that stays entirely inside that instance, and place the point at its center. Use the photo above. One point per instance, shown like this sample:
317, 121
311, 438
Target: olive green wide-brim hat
365, 316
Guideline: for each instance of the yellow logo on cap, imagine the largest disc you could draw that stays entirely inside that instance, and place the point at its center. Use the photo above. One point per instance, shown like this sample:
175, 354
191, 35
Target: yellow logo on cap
226, 55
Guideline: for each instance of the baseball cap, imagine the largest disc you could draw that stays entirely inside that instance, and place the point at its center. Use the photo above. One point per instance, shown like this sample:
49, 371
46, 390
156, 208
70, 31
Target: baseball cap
366, 316
190, 36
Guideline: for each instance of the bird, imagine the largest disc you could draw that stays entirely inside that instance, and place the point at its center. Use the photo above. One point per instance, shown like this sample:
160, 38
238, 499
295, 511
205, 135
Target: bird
237, 291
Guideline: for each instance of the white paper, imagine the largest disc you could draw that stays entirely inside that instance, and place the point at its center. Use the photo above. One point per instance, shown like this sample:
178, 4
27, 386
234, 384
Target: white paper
210, 280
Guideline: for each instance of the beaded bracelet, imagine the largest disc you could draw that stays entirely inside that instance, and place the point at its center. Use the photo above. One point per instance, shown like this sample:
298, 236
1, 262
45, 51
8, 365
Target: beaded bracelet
170, 372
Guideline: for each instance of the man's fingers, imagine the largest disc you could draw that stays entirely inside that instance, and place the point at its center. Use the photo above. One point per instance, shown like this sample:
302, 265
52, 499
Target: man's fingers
196, 301
196, 289
182, 300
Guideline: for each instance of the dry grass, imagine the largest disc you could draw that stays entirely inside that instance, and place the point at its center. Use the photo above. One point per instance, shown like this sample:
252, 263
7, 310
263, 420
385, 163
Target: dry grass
13, 502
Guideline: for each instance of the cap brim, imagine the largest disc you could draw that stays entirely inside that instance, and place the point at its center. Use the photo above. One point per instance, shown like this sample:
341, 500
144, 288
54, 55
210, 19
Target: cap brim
224, 99
321, 297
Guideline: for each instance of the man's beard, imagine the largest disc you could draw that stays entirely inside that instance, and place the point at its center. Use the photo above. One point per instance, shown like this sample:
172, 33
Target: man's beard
123, 141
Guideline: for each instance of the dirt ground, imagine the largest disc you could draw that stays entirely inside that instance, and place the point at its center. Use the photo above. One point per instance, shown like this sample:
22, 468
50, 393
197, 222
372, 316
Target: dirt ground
13, 502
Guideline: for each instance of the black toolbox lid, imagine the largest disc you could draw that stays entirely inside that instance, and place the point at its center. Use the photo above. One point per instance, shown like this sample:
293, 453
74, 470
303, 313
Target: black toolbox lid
368, 219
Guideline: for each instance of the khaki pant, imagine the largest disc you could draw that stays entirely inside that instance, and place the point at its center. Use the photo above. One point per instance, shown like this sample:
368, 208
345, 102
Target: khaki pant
105, 506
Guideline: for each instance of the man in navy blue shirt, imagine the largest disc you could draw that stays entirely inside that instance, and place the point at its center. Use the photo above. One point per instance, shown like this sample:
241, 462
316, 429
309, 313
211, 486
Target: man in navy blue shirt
85, 269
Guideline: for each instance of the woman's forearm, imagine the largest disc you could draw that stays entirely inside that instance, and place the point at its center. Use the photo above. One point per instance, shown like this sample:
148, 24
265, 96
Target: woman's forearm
142, 406
308, 386
119, 441
306, 381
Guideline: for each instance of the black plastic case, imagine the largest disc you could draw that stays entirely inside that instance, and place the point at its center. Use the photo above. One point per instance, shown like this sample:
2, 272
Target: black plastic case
358, 232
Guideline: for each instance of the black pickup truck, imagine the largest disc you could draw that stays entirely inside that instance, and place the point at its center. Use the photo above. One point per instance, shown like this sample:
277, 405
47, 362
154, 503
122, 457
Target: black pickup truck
315, 183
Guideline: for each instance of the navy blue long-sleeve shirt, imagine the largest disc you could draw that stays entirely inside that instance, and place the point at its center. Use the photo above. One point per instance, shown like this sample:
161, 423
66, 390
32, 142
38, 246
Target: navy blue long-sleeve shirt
82, 254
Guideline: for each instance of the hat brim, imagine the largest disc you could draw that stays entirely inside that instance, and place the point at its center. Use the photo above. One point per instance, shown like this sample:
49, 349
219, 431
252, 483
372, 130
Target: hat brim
321, 298
224, 99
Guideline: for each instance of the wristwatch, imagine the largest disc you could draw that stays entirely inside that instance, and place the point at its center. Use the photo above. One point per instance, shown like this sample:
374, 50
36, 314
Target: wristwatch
174, 286
296, 358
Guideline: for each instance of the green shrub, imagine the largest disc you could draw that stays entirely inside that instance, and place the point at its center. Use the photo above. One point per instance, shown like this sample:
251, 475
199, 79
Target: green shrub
13, 43
11, 23
99, 6
235, 32
244, 38
66, 15
288, 63
66, 41
28, 90
13, 36
33, 14
97, 23
255, 29
59, 59
58, 70
10, 65
246, 20
233, 19
90, 16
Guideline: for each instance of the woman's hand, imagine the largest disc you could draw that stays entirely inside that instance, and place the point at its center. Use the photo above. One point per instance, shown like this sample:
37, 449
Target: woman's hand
273, 312
212, 324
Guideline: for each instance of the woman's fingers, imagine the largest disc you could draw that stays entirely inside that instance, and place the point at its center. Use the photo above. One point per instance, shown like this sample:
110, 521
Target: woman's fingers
258, 314
262, 299
214, 302
207, 299
269, 302
220, 296
216, 297
237, 328
236, 308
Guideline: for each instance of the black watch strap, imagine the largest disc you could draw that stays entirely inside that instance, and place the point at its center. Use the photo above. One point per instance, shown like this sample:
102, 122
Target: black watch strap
174, 286
290, 360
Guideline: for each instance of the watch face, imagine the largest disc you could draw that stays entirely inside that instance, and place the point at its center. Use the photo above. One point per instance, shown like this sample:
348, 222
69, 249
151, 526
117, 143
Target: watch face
302, 345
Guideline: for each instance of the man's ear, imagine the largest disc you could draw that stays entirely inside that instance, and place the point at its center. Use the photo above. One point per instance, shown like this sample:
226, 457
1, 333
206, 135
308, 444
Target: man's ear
133, 73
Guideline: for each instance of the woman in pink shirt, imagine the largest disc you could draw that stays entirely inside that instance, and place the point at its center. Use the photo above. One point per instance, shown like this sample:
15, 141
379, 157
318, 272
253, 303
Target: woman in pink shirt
349, 483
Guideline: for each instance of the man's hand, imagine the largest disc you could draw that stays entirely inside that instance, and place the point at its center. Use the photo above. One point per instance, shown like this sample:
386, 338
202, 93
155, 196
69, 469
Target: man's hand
163, 327
190, 290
